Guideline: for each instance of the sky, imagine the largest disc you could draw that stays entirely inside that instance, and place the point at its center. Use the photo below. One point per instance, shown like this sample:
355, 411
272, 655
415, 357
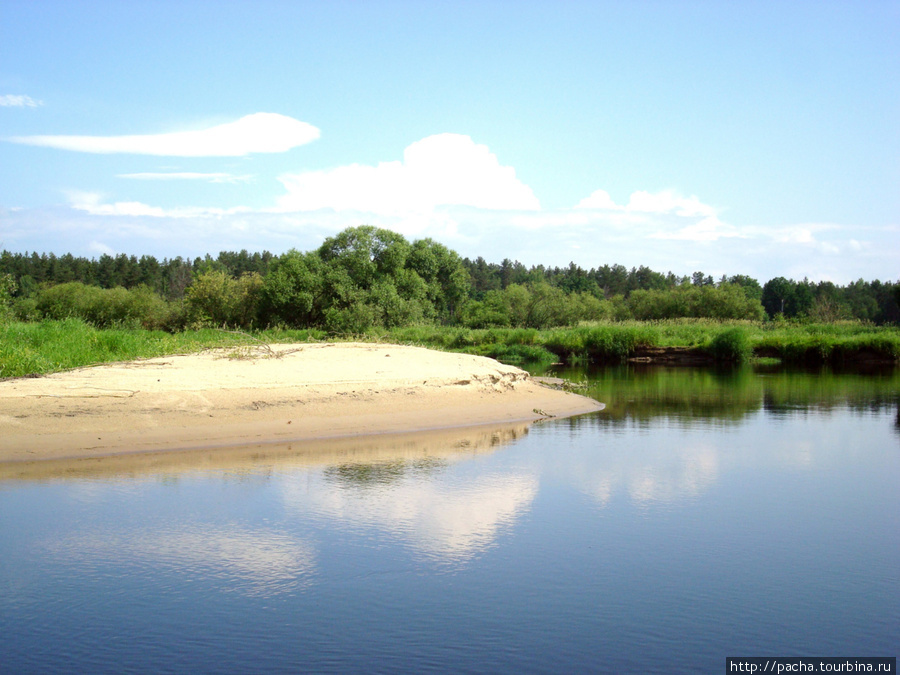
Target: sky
756, 138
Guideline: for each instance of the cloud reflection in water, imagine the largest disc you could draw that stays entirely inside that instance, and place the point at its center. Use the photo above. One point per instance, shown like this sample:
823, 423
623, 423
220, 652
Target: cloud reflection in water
446, 519
251, 562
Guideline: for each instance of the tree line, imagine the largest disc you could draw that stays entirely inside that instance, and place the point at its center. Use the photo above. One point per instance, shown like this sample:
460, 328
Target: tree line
367, 277
168, 278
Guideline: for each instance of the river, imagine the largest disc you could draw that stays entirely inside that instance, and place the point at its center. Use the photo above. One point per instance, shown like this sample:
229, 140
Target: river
703, 514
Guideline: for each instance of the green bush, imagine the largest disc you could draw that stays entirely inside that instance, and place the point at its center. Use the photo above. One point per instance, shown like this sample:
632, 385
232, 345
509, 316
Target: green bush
104, 308
215, 298
731, 346
7, 289
725, 302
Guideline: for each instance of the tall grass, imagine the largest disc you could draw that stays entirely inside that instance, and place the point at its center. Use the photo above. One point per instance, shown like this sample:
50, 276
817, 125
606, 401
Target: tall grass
830, 343
614, 342
49, 346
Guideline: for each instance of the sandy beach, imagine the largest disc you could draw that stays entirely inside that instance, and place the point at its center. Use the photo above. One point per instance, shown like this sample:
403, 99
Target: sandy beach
227, 398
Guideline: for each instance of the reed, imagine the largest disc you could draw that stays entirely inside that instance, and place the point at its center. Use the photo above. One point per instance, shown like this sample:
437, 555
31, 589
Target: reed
48, 346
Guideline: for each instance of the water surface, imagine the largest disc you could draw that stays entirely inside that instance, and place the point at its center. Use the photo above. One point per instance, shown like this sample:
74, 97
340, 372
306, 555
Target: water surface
703, 514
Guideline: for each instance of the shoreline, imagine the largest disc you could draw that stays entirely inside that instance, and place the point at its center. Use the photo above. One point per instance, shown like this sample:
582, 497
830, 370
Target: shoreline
440, 446
286, 393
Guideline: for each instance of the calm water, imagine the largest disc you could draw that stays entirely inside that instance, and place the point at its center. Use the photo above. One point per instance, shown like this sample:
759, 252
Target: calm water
702, 515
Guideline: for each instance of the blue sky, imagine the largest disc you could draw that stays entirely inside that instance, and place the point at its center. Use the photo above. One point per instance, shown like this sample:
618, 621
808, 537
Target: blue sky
756, 138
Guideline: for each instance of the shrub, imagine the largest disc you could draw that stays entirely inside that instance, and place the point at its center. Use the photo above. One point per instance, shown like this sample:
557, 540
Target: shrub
218, 299
104, 308
7, 288
731, 346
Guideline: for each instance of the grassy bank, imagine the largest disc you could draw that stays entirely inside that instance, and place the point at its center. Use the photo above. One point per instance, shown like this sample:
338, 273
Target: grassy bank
51, 346
728, 342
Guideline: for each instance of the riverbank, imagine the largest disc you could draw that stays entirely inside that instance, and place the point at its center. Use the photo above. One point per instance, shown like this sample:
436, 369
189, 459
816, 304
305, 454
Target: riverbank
277, 393
40, 348
676, 342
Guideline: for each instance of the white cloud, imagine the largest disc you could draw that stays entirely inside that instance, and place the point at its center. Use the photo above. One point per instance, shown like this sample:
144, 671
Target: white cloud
440, 170
260, 132
668, 201
707, 229
451, 189
93, 204
18, 101
598, 200
551, 237
674, 216
185, 175
100, 248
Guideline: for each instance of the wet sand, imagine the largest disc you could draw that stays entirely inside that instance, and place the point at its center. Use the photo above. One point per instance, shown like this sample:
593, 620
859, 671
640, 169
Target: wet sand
228, 398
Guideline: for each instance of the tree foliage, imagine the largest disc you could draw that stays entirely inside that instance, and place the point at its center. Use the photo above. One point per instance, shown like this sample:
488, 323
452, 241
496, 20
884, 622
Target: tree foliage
218, 299
367, 277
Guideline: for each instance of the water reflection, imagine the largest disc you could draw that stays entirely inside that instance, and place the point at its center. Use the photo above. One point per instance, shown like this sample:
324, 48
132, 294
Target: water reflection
637, 394
652, 472
377, 475
391, 482
265, 460
251, 562
448, 520
664, 463
407, 494
668, 434
655, 536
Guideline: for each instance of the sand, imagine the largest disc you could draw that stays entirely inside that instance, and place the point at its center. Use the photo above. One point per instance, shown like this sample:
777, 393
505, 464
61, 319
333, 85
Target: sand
227, 398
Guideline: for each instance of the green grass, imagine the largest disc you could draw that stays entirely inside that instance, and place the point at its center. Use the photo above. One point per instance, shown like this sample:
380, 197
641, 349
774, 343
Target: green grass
51, 346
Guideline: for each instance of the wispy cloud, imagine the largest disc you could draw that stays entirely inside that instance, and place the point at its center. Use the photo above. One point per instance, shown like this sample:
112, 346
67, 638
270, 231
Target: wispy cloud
456, 191
257, 133
93, 204
184, 175
837, 252
18, 101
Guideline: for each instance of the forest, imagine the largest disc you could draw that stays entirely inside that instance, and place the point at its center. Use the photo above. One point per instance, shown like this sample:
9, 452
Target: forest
365, 277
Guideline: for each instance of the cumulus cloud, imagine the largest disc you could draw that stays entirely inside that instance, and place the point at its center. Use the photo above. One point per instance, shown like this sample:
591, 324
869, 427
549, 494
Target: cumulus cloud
674, 216
550, 237
18, 101
599, 199
100, 248
707, 229
257, 133
668, 201
440, 170
186, 175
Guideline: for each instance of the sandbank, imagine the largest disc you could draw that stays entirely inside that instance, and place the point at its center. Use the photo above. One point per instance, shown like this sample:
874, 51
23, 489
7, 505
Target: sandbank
283, 393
